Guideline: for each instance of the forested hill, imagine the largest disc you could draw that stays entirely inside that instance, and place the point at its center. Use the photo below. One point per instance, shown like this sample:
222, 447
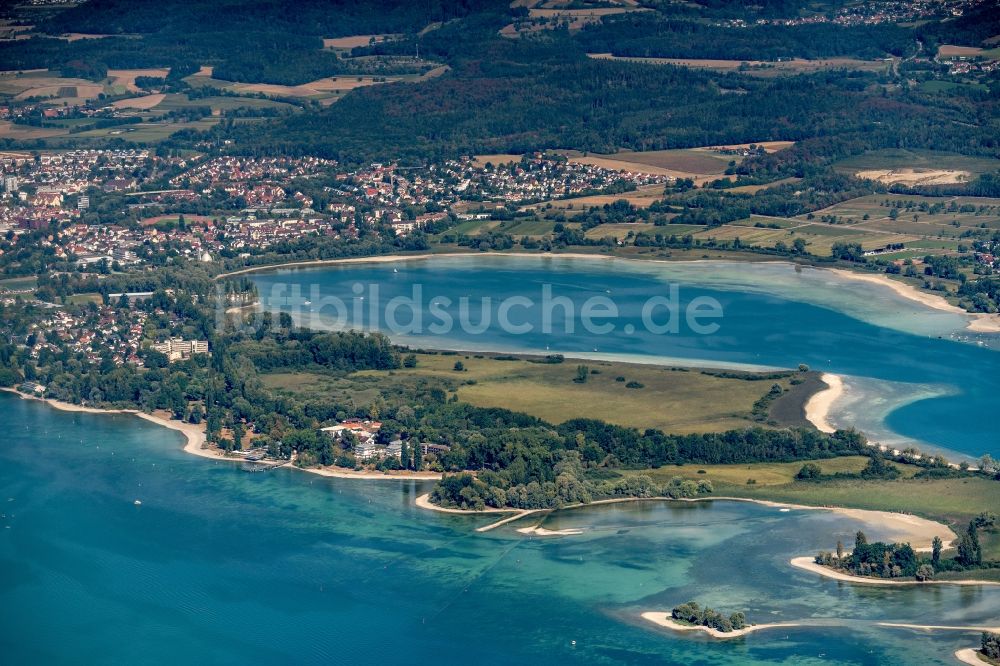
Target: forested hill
540, 90
315, 18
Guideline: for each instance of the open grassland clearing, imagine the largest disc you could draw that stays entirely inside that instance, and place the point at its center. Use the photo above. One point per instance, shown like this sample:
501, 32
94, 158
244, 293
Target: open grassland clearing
9, 130
760, 67
495, 159
674, 400
19, 283
763, 474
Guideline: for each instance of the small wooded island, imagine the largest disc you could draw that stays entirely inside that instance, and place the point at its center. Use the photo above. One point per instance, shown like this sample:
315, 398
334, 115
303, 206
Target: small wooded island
694, 615
691, 617
899, 560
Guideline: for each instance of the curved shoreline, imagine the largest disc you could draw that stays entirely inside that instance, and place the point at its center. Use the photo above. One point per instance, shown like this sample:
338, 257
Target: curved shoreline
977, 322
808, 564
195, 437
917, 531
820, 404
969, 656
665, 620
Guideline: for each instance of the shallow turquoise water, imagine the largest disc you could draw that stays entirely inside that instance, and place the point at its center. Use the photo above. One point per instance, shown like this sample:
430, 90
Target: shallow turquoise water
220, 566
773, 315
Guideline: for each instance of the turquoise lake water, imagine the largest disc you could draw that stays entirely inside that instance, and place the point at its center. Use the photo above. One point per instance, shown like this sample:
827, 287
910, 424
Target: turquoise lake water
916, 376
220, 566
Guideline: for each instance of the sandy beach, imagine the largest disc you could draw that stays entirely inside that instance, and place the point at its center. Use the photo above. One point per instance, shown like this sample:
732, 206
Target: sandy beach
969, 656
665, 620
371, 476
542, 532
937, 627
808, 564
819, 404
979, 323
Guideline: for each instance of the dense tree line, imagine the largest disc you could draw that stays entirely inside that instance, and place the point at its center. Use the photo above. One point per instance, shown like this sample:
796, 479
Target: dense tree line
646, 34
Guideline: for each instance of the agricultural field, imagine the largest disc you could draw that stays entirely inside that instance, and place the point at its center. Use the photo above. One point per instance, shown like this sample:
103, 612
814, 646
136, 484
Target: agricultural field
952, 52
672, 399
917, 161
759, 67
9, 130
640, 198
546, 16
325, 91
620, 231
528, 228
700, 164
354, 41
218, 104
48, 85
940, 228
474, 227
123, 80
819, 237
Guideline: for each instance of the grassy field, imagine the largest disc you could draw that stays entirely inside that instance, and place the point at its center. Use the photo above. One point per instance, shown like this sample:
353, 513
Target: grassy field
82, 299
19, 283
898, 158
620, 231
176, 101
675, 400
953, 501
758, 67
819, 238
148, 132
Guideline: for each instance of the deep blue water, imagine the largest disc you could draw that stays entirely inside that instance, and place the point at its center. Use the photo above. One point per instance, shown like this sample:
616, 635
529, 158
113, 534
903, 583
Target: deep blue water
770, 317
220, 566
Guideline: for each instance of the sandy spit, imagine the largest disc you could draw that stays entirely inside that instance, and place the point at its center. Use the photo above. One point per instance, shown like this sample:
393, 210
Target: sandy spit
819, 404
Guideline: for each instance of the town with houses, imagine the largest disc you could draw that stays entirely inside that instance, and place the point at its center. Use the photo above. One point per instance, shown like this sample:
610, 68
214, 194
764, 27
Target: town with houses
109, 209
